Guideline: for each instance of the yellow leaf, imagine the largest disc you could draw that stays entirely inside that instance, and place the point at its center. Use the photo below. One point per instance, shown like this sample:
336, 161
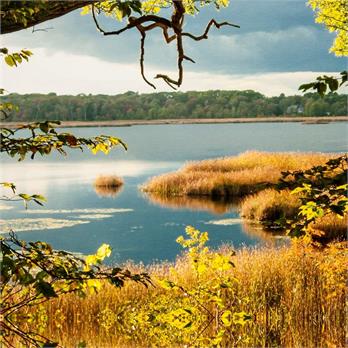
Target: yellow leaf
85, 10
103, 251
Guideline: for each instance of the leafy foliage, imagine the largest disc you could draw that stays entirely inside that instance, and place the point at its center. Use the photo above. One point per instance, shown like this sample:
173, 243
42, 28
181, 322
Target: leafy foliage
32, 273
207, 299
323, 83
333, 14
42, 138
323, 191
13, 59
38, 199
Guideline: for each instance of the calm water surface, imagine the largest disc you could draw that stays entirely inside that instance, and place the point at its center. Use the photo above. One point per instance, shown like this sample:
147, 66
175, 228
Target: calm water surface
79, 219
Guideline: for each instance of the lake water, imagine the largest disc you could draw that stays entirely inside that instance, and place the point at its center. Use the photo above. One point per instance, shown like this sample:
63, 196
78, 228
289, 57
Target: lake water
79, 219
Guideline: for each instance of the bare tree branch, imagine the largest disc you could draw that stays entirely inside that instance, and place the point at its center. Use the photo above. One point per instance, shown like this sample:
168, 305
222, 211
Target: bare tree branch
205, 34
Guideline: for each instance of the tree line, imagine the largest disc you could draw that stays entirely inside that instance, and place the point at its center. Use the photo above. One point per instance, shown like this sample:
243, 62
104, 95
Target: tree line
168, 105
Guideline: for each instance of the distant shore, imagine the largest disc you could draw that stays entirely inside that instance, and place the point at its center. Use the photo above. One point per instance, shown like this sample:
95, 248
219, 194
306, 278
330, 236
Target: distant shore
128, 123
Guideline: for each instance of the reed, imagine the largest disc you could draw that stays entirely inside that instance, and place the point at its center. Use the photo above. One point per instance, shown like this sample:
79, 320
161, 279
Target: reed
235, 176
108, 185
269, 206
296, 296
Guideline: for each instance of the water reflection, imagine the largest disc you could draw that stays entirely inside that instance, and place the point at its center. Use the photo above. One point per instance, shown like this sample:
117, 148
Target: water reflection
269, 236
218, 207
108, 191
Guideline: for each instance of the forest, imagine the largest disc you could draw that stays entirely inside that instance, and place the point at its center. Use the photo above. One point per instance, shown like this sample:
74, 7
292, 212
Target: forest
193, 104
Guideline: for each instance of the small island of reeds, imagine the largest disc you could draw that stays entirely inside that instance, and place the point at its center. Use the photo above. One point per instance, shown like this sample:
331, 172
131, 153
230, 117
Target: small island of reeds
108, 185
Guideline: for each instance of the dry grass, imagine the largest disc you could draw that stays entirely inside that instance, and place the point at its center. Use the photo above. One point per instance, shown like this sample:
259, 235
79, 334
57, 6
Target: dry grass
235, 176
296, 296
331, 227
108, 186
270, 205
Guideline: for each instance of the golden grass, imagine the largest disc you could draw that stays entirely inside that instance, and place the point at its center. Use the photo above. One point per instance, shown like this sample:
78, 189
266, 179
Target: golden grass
235, 176
295, 294
270, 205
108, 185
331, 227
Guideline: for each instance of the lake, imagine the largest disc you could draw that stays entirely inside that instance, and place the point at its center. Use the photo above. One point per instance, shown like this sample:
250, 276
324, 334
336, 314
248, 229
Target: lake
79, 219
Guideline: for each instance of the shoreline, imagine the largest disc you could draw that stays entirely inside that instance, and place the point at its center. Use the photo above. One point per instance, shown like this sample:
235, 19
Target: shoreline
129, 123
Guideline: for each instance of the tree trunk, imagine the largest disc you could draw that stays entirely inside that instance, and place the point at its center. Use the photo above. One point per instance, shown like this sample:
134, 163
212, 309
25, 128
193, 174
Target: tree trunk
46, 11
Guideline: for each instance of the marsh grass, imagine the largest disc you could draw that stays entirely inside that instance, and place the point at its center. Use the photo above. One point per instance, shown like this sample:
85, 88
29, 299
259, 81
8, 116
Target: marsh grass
269, 206
108, 185
296, 296
235, 176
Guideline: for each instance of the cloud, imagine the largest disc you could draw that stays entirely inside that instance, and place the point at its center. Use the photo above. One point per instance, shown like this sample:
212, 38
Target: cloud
67, 75
275, 36
80, 211
5, 207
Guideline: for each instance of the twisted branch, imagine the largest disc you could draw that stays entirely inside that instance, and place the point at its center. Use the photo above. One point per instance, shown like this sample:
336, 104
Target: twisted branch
175, 24
206, 32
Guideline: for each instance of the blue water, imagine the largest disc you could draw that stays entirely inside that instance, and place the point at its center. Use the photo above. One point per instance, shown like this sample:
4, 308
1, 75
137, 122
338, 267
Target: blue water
135, 227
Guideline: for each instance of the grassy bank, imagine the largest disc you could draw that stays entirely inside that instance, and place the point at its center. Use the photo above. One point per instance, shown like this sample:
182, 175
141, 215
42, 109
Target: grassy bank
235, 177
295, 297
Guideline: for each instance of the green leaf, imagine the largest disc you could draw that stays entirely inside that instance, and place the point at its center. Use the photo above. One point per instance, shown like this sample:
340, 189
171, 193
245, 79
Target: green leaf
10, 61
45, 289
44, 127
25, 196
333, 84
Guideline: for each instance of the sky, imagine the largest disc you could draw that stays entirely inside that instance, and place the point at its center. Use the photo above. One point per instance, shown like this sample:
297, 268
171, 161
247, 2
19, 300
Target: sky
278, 47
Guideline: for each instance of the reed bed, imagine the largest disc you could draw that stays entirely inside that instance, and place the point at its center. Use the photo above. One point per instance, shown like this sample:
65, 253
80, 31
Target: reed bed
281, 161
269, 206
235, 176
108, 185
296, 296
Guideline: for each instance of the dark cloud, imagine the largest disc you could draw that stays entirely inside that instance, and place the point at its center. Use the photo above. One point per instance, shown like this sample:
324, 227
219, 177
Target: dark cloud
275, 36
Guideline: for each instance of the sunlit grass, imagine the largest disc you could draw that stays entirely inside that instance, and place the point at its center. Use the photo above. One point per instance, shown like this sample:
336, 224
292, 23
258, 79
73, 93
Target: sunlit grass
235, 176
296, 296
269, 206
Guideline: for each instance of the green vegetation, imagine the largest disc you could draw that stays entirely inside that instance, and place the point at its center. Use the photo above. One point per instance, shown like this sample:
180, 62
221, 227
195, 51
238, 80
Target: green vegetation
288, 296
209, 104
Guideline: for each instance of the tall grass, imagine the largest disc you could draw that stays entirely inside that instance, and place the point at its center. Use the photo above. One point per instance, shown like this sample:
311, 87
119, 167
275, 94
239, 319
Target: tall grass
296, 296
235, 176
268, 206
